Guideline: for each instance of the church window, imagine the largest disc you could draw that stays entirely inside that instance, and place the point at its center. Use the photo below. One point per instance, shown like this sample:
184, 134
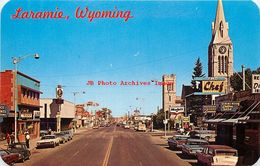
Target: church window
223, 64
219, 64
221, 27
226, 64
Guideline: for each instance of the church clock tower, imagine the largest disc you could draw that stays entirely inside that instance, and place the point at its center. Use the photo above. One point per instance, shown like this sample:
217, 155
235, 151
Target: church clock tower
220, 51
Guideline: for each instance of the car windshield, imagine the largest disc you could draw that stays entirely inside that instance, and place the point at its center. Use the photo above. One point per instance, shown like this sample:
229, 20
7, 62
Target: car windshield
18, 146
58, 134
181, 138
197, 143
48, 137
226, 153
3, 152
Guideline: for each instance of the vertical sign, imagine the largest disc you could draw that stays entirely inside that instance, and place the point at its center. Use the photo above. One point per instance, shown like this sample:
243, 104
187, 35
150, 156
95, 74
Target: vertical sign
255, 83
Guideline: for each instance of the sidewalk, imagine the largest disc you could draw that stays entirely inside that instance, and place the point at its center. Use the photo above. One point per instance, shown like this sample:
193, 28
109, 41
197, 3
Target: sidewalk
33, 142
3, 144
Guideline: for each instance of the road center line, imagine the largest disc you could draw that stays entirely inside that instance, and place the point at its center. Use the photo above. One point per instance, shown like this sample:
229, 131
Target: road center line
105, 162
75, 153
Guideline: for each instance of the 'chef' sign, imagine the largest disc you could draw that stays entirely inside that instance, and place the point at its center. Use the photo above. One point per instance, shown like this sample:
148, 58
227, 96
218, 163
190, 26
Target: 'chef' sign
214, 86
255, 83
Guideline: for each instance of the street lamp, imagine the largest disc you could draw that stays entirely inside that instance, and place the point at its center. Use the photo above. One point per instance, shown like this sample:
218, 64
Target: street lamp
16, 60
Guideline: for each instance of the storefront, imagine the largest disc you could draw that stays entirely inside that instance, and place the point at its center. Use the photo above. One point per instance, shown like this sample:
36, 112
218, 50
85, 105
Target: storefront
51, 114
237, 124
27, 105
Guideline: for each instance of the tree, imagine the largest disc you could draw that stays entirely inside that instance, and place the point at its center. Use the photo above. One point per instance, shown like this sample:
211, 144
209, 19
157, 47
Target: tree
197, 71
158, 119
237, 82
197, 101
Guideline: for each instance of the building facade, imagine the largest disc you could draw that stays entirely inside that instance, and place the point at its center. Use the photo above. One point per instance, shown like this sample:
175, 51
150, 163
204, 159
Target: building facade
50, 112
27, 92
168, 91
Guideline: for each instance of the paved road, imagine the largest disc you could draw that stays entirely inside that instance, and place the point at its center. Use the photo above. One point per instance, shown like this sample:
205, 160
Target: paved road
110, 146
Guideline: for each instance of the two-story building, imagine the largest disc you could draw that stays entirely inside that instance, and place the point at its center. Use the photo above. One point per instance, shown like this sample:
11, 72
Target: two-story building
27, 92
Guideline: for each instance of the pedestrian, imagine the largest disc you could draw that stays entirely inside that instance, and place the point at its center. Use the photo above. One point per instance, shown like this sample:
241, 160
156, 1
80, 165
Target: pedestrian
12, 138
27, 139
8, 138
49, 131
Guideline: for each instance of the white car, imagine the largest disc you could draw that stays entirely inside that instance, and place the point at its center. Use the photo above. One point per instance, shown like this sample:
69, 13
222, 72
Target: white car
217, 155
48, 141
127, 126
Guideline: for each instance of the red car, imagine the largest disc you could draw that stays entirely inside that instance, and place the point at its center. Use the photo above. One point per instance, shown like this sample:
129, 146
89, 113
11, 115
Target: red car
9, 158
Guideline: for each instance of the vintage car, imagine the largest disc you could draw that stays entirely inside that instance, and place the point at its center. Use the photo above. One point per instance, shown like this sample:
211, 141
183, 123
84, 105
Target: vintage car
176, 142
62, 137
192, 146
20, 148
127, 126
48, 141
95, 127
8, 157
69, 133
217, 155
208, 135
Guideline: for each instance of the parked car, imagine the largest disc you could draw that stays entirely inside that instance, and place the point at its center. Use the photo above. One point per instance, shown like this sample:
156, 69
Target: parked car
127, 126
43, 133
20, 148
95, 127
192, 146
69, 133
8, 157
208, 135
176, 142
62, 137
48, 141
141, 127
217, 155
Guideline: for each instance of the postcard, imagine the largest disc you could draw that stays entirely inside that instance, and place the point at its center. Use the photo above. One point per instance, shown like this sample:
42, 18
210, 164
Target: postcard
140, 83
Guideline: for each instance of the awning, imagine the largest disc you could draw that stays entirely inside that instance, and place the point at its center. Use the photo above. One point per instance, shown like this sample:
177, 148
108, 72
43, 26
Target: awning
244, 116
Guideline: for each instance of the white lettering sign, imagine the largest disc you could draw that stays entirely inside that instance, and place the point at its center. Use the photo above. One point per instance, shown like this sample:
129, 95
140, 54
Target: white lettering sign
255, 83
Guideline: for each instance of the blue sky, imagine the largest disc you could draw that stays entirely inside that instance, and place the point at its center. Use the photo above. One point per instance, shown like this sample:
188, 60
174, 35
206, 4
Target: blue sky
164, 37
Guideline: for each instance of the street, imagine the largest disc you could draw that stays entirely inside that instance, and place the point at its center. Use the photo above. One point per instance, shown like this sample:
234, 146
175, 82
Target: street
106, 146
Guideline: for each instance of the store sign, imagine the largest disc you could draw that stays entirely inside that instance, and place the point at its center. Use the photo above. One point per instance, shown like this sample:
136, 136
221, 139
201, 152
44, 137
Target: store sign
255, 83
36, 114
26, 115
59, 92
229, 106
213, 86
177, 109
210, 85
209, 108
186, 119
3, 110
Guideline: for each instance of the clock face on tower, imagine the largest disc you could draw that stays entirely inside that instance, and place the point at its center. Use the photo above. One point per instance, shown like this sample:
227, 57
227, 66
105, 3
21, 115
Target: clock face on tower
222, 49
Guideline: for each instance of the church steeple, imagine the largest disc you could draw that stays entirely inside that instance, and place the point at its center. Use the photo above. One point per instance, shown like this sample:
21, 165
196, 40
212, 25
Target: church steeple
220, 26
220, 51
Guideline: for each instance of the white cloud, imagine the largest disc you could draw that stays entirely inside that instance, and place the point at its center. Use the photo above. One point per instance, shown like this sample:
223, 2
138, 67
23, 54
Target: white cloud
137, 53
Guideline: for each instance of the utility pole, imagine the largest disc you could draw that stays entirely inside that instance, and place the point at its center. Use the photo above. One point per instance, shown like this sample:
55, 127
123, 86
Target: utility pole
244, 80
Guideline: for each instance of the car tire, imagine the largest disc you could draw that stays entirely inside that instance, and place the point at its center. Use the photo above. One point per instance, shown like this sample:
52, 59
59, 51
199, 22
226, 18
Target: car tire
23, 159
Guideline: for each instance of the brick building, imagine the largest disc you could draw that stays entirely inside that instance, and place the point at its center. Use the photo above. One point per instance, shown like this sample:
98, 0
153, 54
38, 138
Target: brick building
28, 103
